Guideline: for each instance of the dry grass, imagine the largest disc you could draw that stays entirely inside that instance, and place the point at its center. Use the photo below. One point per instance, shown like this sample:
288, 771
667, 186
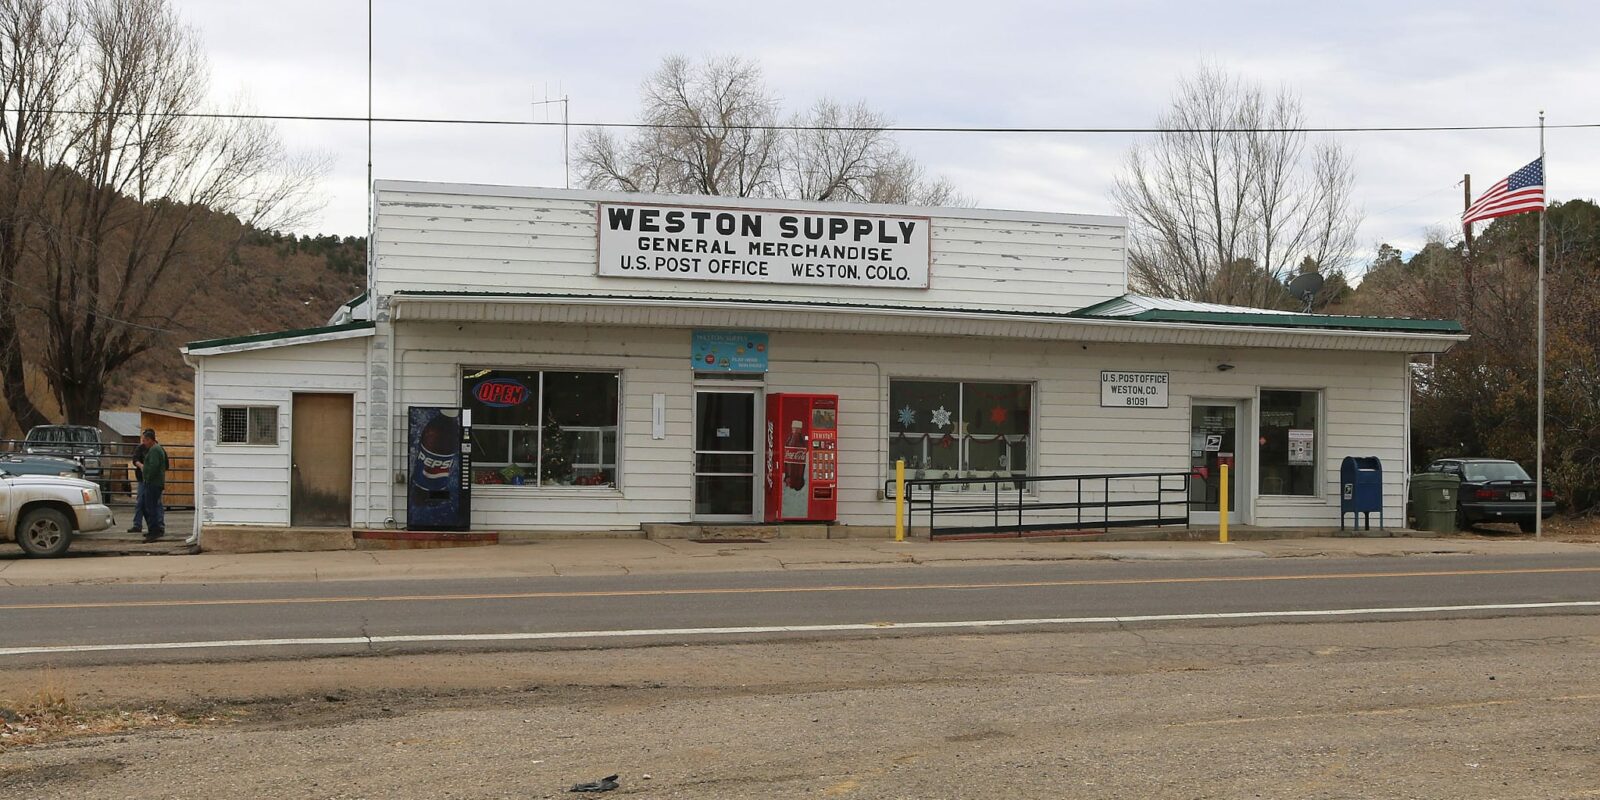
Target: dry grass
1556, 529
39, 391
49, 713
1575, 529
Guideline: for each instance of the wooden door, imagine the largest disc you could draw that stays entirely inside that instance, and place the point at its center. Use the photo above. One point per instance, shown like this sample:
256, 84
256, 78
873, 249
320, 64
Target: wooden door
321, 470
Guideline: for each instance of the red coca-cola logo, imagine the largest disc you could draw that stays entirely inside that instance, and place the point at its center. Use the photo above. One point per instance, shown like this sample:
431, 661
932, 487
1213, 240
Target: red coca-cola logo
501, 392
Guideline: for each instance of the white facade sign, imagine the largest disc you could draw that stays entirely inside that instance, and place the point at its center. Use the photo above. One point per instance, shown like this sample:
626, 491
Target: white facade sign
1133, 389
760, 246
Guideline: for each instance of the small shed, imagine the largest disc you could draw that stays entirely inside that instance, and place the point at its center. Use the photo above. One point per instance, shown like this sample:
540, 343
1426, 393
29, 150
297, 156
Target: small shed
120, 426
175, 431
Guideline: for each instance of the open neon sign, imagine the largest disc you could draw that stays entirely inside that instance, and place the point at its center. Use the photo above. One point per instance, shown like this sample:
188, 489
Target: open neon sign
501, 392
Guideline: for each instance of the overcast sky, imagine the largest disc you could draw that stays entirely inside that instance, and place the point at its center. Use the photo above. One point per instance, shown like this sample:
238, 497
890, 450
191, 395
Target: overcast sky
932, 63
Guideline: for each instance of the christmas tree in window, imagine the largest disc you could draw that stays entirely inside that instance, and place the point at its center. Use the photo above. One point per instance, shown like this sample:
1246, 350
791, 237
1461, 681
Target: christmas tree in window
555, 461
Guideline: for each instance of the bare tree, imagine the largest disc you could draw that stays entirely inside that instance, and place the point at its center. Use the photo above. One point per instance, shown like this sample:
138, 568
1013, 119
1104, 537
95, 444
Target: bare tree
37, 71
708, 131
844, 153
1231, 198
712, 129
115, 203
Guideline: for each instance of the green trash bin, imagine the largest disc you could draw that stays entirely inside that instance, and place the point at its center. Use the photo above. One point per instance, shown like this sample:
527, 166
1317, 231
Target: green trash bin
1433, 499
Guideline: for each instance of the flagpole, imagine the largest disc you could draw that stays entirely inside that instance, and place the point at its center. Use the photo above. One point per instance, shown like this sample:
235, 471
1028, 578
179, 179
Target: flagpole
1538, 474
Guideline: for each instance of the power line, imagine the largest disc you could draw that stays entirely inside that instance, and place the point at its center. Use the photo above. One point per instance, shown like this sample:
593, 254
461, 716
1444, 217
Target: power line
91, 309
841, 128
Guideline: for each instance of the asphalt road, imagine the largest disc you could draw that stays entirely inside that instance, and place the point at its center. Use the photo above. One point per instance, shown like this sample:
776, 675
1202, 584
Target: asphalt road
135, 623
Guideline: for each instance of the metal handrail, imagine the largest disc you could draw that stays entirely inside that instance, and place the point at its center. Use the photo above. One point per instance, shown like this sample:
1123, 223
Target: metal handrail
996, 506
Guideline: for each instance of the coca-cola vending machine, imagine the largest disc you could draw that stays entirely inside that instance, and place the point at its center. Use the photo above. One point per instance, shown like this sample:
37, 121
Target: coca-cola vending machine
802, 457
439, 486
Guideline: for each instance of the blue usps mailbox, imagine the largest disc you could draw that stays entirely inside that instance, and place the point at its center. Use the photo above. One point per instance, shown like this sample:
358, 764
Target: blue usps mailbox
1361, 490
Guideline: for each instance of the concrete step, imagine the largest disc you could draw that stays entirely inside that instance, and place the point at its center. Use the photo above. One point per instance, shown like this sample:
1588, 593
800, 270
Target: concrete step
742, 531
420, 540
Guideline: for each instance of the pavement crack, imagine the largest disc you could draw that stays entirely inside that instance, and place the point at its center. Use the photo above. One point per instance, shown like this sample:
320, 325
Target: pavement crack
1122, 625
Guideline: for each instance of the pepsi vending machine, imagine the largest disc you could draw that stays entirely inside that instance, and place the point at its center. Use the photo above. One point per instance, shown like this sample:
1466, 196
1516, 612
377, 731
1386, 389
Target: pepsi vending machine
802, 457
439, 492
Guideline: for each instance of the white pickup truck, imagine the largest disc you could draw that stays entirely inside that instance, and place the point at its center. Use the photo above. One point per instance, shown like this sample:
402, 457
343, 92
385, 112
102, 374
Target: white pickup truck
42, 512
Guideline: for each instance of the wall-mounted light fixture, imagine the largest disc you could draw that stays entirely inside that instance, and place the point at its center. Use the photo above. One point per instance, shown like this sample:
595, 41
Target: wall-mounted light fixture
1224, 367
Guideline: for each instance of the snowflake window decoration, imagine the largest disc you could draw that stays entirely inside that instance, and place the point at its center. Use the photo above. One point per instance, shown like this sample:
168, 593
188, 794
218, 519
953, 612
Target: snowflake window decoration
908, 417
941, 417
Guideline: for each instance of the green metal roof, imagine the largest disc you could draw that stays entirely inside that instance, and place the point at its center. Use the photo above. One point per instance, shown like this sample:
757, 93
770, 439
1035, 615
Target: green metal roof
1126, 308
276, 335
1141, 308
1324, 321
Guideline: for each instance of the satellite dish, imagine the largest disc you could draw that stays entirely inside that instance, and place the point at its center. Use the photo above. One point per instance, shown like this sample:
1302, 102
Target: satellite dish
1305, 287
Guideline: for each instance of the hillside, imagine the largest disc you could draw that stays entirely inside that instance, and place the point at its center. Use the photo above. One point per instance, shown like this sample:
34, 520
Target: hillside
275, 282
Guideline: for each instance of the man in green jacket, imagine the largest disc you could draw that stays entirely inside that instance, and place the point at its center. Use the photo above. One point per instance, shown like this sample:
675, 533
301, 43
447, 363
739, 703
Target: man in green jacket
152, 484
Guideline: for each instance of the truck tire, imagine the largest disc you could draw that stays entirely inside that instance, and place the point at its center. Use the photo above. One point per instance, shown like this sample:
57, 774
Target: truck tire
44, 533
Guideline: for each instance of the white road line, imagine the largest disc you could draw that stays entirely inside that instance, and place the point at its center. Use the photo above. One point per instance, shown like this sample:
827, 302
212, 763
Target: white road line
437, 638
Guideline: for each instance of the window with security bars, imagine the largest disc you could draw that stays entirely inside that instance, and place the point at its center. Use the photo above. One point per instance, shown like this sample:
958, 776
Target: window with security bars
247, 425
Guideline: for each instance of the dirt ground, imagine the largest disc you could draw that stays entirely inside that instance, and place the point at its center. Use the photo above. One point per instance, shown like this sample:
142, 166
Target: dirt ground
1556, 529
1459, 709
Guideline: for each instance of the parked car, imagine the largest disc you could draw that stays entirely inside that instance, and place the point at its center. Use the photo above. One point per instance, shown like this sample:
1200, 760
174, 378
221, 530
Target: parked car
43, 512
20, 464
81, 442
1495, 490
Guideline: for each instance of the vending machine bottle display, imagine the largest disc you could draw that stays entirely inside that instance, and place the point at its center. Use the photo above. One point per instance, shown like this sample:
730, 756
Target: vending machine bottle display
802, 456
439, 485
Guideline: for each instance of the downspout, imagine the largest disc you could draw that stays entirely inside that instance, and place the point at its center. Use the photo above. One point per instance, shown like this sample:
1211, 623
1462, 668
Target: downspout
196, 484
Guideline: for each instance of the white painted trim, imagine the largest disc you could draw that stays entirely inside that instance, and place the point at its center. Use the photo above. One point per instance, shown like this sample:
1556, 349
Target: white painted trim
315, 338
354, 450
758, 397
1140, 332
758, 203
1245, 452
1318, 454
616, 491
197, 469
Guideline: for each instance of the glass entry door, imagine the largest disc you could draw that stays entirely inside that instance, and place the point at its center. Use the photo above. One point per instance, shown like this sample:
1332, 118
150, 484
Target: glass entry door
726, 455
1213, 441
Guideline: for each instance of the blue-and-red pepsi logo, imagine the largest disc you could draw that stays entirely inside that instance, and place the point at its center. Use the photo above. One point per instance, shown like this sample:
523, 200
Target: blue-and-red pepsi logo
437, 455
501, 392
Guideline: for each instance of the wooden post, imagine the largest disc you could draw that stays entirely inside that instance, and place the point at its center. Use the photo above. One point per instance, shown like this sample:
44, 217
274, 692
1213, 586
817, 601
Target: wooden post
1222, 505
900, 500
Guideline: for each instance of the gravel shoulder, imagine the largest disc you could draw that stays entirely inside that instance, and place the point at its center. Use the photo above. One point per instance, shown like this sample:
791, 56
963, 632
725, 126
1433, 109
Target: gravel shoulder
1459, 709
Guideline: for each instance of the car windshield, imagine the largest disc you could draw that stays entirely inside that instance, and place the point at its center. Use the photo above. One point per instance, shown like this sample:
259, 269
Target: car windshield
63, 435
1493, 471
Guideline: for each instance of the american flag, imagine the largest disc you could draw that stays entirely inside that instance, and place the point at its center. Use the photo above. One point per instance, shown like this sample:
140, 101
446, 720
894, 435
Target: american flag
1522, 191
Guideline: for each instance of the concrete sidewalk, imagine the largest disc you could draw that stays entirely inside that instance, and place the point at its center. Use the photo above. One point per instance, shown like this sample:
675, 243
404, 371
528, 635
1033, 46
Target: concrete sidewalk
644, 556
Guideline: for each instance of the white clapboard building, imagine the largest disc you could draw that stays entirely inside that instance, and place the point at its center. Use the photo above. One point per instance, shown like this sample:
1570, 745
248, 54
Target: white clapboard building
614, 353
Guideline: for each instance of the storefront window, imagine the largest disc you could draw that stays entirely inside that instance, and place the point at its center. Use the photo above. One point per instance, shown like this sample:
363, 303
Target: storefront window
956, 429
1290, 443
542, 428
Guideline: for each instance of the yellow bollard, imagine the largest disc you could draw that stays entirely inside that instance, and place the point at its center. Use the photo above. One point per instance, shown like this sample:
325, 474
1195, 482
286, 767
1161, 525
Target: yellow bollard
900, 500
1222, 500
